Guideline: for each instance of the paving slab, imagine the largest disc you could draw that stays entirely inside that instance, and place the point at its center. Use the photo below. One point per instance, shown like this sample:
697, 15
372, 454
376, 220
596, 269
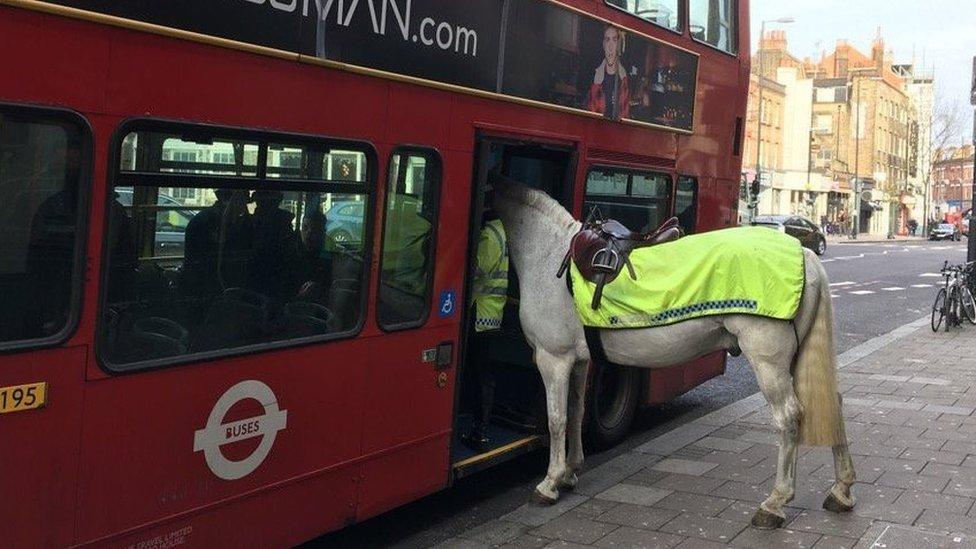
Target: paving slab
684, 466
689, 483
634, 538
751, 537
638, 516
725, 444
574, 528
694, 503
534, 514
710, 528
634, 494
846, 525
834, 542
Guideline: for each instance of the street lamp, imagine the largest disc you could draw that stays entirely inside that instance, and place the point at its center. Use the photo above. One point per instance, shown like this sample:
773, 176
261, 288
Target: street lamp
762, 70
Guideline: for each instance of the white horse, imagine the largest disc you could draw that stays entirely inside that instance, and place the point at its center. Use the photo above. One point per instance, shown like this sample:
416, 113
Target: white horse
802, 394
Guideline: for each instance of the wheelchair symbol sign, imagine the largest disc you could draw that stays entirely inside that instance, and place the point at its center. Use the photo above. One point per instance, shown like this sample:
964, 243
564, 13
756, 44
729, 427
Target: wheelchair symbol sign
448, 303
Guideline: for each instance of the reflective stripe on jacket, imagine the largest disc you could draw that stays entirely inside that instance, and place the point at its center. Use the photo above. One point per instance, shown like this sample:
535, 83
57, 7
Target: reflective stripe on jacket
491, 277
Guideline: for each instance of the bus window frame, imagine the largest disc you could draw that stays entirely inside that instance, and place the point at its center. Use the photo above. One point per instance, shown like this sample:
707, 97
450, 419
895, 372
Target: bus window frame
667, 201
734, 40
681, 17
264, 138
434, 154
85, 179
694, 200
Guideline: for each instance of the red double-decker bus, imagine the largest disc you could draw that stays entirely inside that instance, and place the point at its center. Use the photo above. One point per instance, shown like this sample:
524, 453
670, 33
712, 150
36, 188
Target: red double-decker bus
237, 240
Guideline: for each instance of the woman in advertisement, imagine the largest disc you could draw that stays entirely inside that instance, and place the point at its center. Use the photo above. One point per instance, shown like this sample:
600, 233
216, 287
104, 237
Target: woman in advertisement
610, 92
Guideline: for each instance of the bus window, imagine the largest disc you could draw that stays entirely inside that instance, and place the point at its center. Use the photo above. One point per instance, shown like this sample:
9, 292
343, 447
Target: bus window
639, 200
40, 224
660, 12
714, 22
686, 203
220, 243
406, 268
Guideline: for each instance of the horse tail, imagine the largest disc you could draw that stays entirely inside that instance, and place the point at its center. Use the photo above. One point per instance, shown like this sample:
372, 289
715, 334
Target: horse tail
815, 376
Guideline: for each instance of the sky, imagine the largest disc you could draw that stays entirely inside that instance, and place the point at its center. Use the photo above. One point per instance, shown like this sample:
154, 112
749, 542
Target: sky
942, 32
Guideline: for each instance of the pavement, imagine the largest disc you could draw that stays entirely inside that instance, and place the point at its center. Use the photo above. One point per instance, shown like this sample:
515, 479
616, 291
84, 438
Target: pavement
909, 401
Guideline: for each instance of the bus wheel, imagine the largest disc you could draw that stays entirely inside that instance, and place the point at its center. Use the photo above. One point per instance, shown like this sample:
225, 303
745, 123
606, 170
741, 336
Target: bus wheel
611, 403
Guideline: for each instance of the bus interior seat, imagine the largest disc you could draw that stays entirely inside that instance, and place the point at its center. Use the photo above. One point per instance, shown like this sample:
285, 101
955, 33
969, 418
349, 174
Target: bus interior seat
236, 317
343, 301
304, 319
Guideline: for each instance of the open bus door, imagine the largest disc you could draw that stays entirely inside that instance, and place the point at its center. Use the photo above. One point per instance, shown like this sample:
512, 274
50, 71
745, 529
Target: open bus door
518, 403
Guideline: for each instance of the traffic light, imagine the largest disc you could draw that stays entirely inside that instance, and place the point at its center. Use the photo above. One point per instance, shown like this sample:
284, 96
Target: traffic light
754, 188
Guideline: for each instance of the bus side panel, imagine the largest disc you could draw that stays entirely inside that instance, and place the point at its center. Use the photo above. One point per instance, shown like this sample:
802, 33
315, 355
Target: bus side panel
410, 402
708, 153
146, 437
231, 87
666, 383
283, 516
717, 202
39, 450
36, 46
405, 475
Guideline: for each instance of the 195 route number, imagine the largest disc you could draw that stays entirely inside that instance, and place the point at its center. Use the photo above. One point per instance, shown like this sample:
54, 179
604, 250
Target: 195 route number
18, 398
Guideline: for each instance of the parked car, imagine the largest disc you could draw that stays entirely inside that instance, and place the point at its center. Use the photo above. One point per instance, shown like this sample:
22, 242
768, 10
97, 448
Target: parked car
945, 231
170, 224
807, 232
344, 224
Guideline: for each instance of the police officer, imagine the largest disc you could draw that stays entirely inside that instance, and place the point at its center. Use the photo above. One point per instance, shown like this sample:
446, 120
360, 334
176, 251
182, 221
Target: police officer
489, 295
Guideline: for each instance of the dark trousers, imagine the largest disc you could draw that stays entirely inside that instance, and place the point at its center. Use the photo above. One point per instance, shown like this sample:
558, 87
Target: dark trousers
480, 362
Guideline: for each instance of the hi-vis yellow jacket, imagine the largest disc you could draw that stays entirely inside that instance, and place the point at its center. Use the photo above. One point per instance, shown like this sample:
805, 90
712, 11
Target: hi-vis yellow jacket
491, 277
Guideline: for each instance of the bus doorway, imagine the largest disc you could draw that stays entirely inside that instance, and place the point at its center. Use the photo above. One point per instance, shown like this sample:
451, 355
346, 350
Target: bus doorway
500, 406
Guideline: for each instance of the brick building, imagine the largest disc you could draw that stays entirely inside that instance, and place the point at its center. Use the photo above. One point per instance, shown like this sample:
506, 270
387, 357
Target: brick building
952, 182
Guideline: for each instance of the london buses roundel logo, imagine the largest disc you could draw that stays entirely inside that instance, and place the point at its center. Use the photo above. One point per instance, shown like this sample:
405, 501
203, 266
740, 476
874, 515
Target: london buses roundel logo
217, 433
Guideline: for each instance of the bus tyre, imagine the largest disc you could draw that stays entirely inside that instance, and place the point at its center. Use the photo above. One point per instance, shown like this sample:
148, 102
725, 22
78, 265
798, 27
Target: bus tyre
611, 403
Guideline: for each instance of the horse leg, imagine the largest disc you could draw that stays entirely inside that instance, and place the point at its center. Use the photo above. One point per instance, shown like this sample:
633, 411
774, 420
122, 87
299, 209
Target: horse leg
778, 390
555, 376
574, 426
771, 362
839, 499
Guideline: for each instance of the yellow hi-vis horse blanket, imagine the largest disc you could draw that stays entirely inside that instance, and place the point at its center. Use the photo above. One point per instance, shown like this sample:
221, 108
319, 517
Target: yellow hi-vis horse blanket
745, 270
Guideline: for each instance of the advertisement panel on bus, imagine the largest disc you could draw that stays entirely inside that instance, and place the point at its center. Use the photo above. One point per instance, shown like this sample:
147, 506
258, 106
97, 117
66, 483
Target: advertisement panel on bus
529, 49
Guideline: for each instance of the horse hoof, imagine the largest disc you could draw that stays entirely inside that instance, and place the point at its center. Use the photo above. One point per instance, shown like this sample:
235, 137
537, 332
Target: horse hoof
568, 484
764, 520
835, 505
541, 499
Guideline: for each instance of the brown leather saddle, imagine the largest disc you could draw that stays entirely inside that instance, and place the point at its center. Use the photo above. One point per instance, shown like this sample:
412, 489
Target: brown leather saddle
602, 248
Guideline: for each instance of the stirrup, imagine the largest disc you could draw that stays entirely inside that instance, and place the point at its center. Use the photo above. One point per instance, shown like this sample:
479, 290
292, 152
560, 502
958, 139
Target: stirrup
606, 265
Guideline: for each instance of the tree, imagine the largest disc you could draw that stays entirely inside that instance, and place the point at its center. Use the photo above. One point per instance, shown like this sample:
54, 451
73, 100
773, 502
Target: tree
948, 122
947, 128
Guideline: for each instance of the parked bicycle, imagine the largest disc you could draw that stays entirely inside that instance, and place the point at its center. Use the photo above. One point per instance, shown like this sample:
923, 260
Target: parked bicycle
955, 302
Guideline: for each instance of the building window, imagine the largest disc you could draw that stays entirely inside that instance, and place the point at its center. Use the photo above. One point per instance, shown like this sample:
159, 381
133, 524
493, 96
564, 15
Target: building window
823, 122
660, 12
639, 200
714, 22
41, 167
407, 260
265, 253
183, 194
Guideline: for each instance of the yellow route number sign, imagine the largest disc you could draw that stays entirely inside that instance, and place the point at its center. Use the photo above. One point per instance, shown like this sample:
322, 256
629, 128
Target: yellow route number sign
18, 398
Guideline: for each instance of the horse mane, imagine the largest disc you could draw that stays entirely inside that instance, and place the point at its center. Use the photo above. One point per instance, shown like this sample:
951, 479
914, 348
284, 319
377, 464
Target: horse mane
548, 207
